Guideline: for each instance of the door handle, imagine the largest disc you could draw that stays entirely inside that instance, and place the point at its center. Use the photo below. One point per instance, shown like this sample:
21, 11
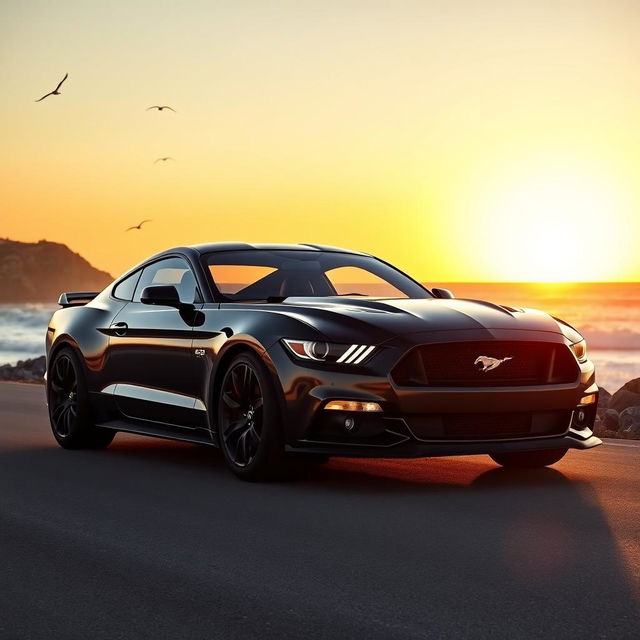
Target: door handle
119, 328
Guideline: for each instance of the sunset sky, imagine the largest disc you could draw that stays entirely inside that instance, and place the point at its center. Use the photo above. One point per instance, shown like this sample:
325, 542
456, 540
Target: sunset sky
462, 141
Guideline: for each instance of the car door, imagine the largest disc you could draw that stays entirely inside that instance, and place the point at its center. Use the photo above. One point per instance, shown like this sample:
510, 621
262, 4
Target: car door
150, 362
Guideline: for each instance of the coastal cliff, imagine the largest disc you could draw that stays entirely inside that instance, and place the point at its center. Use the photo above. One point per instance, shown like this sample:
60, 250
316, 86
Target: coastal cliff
41, 271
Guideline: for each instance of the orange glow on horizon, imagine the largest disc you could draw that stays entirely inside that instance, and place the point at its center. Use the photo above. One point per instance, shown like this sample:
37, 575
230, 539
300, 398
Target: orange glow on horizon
460, 143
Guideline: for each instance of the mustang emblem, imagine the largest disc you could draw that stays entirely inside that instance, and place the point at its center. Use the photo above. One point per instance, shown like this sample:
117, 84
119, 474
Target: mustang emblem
487, 363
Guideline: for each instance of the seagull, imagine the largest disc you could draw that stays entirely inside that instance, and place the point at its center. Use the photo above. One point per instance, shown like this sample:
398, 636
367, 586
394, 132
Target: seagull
160, 107
138, 226
164, 159
56, 91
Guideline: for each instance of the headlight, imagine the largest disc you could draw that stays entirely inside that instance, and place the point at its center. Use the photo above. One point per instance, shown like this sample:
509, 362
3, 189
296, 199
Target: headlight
578, 343
580, 350
327, 352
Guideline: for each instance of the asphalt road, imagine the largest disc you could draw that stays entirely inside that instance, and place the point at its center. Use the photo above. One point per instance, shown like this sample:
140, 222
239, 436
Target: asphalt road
154, 539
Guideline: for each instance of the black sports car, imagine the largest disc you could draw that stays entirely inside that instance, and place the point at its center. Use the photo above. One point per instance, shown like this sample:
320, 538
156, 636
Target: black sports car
269, 350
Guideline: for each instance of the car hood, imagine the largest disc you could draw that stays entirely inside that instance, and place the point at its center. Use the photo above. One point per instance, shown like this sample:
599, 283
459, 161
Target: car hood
383, 318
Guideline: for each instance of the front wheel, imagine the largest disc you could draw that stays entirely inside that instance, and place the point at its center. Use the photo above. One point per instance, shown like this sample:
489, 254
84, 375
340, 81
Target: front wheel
68, 402
249, 423
529, 459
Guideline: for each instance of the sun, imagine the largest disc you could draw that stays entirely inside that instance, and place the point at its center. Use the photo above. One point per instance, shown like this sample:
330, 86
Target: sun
553, 226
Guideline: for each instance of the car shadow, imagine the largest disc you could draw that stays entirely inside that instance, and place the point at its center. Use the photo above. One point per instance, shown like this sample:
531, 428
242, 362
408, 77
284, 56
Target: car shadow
452, 543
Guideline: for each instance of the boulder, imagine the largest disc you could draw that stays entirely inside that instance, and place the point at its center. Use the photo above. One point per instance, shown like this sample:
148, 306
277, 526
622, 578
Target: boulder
25, 371
604, 398
632, 385
611, 420
630, 422
624, 398
600, 431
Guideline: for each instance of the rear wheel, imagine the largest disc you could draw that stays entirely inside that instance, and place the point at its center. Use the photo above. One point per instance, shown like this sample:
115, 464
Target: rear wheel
529, 459
69, 411
249, 422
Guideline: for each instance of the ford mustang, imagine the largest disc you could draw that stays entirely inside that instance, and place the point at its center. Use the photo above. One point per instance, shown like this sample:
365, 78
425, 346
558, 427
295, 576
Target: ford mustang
268, 351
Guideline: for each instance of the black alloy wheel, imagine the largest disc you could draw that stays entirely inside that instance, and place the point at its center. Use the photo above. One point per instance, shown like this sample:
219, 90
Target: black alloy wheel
241, 428
68, 400
248, 420
63, 396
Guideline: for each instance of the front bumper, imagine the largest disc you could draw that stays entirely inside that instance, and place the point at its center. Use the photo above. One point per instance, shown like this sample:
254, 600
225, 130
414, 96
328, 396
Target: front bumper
426, 421
412, 449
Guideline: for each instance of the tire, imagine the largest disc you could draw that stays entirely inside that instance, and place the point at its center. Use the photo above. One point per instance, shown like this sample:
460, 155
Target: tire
249, 421
69, 409
529, 459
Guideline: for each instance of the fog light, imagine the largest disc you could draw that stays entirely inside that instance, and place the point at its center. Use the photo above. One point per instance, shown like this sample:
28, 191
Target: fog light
352, 405
590, 399
349, 424
581, 415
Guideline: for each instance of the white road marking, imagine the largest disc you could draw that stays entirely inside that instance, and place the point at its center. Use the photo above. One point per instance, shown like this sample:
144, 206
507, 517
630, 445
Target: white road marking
635, 444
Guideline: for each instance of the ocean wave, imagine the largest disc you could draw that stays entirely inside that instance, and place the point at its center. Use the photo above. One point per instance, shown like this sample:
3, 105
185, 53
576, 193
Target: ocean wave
617, 339
12, 318
34, 345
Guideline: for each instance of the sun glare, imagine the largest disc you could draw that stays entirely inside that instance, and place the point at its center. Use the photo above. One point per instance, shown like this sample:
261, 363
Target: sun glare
554, 226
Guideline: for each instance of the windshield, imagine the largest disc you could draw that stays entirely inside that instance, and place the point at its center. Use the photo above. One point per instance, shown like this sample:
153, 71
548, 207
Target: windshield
263, 274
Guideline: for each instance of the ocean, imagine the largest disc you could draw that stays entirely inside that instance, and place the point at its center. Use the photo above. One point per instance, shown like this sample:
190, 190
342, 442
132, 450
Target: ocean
607, 314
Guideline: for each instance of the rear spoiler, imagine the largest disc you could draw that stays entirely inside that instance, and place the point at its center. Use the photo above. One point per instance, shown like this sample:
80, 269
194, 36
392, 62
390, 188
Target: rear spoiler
76, 298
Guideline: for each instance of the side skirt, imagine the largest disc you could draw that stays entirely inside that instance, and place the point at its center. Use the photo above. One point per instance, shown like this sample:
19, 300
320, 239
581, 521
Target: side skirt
157, 430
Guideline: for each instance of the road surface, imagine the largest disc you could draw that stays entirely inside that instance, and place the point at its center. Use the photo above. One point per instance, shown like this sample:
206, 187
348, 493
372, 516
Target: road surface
154, 539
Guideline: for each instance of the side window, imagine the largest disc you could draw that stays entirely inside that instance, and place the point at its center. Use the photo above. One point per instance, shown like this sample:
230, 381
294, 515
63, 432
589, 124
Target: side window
125, 288
173, 271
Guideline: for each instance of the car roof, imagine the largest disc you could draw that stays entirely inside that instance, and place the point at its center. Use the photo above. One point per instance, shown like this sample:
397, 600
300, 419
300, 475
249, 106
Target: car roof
213, 247
196, 250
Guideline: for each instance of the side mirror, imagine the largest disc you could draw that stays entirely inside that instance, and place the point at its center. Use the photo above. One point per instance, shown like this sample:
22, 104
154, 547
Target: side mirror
443, 293
164, 295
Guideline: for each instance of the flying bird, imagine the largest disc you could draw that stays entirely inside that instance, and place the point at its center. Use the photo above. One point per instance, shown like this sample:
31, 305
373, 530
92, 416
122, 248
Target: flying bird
160, 107
164, 159
138, 226
56, 91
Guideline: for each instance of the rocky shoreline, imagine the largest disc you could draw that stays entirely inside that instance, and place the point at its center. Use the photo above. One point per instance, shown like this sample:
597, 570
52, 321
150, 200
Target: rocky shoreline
31, 370
618, 414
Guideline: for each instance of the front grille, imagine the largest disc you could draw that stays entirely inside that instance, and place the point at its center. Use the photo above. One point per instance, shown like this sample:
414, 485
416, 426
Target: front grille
452, 364
488, 426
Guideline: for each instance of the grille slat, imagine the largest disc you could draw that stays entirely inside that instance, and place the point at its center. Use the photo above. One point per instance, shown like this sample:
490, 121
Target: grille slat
451, 364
